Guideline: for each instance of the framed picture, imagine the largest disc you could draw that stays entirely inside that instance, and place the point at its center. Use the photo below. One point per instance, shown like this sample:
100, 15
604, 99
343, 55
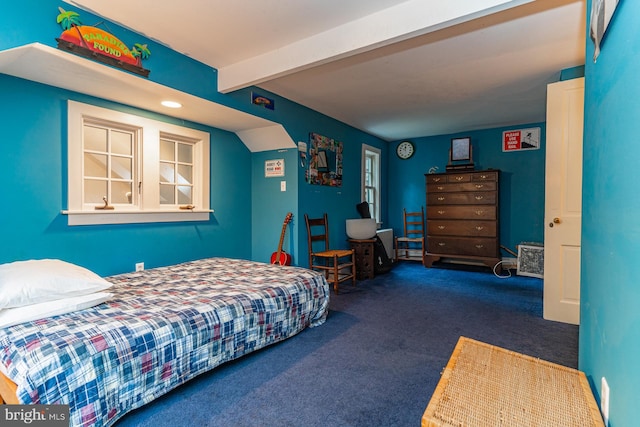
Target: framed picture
461, 149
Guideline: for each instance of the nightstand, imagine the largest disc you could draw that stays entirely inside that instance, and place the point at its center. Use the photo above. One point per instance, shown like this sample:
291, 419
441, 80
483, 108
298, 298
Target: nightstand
365, 259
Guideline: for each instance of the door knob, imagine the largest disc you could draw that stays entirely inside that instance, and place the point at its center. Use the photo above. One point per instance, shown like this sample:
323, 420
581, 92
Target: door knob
555, 221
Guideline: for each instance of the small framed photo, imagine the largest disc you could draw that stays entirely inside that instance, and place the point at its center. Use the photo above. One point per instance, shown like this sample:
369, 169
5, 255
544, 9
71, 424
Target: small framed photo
461, 149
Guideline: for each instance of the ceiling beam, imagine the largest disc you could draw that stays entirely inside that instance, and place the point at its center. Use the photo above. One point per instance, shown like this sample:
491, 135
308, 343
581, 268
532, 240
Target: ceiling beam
402, 22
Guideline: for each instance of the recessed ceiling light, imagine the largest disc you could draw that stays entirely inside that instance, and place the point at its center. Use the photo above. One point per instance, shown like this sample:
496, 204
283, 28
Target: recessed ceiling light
171, 104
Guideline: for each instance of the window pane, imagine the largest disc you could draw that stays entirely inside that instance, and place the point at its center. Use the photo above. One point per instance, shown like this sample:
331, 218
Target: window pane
368, 180
94, 191
167, 150
95, 165
121, 192
185, 173
184, 153
369, 196
167, 173
121, 143
95, 139
167, 196
184, 195
121, 167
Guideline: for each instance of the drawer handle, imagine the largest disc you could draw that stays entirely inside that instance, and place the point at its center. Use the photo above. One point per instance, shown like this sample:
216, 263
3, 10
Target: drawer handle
479, 186
441, 198
441, 212
479, 246
479, 227
442, 244
442, 227
484, 176
436, 179
459, 178
479, 197
479, 213
440, 187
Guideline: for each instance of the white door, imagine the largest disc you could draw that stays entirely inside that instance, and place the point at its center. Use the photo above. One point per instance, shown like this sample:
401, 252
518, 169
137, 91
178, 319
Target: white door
563, 201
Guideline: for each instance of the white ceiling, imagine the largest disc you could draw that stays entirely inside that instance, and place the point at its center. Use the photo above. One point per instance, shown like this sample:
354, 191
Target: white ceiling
395, 69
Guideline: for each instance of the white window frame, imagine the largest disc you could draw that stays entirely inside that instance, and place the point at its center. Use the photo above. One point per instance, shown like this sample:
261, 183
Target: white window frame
376, 155
148, 208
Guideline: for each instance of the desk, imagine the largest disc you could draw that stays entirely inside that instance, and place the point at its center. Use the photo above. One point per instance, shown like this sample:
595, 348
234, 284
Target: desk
365, 257
484, 385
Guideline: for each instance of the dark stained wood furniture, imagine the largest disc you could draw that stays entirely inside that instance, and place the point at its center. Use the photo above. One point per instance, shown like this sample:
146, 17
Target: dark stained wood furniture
462, 217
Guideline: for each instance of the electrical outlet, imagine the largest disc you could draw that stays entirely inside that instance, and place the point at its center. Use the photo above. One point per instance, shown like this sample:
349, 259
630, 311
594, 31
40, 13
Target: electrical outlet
604, 401
139, 266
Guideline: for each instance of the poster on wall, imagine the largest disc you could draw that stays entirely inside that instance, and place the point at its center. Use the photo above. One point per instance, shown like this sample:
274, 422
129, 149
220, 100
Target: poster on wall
325, 161
521, 139
601, 13
274, 168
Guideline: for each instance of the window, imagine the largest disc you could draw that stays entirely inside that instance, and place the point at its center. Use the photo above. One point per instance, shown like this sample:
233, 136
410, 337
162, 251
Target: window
108, 159
125, 169
176, 172
371, 179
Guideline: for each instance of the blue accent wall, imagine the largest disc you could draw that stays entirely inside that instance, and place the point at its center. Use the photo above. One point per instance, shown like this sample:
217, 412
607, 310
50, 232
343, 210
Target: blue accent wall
35, 192
521, 180
249, 208
610, 290
270, 205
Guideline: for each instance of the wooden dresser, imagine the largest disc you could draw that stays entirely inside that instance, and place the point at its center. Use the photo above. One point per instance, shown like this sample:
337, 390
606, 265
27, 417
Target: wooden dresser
462, 217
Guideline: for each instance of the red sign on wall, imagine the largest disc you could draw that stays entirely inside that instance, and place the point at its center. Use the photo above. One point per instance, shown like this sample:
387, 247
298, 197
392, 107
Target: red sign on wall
522, 139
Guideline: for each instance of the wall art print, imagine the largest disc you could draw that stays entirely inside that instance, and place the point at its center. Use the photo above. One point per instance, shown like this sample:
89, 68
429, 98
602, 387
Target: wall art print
99, 45
325, 161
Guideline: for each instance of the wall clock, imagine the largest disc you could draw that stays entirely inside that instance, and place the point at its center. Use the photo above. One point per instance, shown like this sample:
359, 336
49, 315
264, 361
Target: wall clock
405, 149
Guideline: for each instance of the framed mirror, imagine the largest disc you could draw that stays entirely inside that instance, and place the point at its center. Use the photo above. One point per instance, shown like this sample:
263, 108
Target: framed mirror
325, 161
461, 149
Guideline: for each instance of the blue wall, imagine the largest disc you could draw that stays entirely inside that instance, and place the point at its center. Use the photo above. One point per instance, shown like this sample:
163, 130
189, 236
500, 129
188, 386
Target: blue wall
338, 202
249, 208
34, 193
610, 290
521, 180
272, 205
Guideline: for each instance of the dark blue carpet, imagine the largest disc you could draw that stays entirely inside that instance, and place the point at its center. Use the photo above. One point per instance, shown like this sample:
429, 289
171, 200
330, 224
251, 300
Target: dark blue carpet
377, 359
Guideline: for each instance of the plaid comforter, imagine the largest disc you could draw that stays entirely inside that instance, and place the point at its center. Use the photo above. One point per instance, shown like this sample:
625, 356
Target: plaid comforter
163, 327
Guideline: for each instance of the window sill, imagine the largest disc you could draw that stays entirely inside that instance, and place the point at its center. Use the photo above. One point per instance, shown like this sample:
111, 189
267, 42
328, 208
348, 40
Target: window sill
123, 217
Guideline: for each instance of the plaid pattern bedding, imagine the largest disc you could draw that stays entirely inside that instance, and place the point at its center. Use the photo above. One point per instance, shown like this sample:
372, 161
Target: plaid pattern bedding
163, 327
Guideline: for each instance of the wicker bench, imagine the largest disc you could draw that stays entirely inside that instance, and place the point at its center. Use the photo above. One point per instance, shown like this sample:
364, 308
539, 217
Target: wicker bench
485, 385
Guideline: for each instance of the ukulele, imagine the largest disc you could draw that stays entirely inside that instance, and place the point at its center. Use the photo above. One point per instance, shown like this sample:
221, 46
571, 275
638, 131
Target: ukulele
281, 257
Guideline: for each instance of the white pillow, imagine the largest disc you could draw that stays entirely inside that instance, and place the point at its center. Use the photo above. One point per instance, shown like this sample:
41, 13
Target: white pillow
13, 316
35, 281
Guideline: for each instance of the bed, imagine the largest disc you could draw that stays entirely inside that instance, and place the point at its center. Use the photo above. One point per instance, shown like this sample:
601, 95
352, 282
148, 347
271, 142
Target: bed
160, 328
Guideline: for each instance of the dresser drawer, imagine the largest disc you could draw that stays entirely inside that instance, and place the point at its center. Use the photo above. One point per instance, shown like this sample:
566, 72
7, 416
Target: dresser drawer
479, 212
449, 178
459, 177
484, 247
485, 176
463, 186
435, 179
462, 198
461, 228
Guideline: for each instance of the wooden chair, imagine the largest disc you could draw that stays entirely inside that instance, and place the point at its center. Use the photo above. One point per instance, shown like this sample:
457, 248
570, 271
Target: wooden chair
410, 247
338, 264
